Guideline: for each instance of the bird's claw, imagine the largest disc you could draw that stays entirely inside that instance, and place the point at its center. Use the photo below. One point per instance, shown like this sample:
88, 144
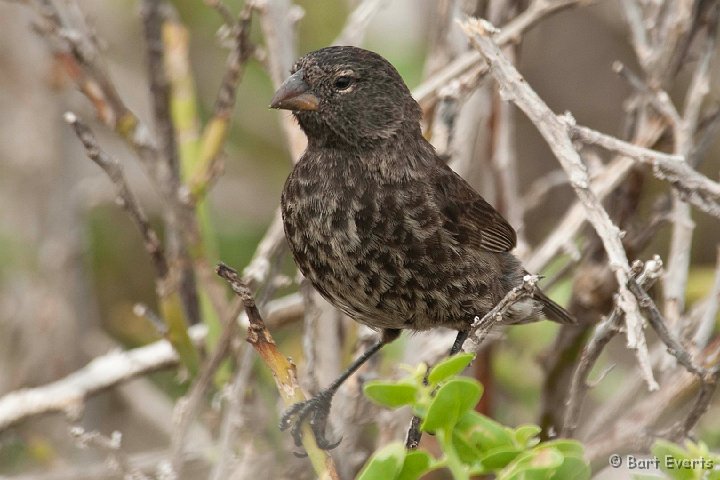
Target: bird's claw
316, 410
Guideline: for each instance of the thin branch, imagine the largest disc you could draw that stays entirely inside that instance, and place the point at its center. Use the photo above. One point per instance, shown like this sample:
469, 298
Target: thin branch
188, 406
283, 370
658, 324
602, 335
553, 129
682, 428
357, 22
481, 326
690, 184
154, 13
426, 92
78, 54
234, 418
116, 458
125, 196
70, 393
215, 132
710, 309
632, 425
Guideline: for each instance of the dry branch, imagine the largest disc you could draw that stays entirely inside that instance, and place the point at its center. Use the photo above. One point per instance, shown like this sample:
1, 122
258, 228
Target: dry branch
69, 393
125, 197
602, 335
426, 92
481, 326
513, 87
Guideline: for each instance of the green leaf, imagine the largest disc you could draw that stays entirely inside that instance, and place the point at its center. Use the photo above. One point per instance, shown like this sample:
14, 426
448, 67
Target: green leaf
416, 463
573, 468
386, 464
391, 395
525, 433
449, 367
499, 457
669, 453
485, 432
451, 401
537, 464
468, 453
566, 446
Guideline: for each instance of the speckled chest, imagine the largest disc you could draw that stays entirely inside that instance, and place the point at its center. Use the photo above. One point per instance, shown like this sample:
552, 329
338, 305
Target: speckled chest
373, 246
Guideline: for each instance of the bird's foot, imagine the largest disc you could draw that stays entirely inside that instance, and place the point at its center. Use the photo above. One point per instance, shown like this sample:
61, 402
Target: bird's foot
316, 410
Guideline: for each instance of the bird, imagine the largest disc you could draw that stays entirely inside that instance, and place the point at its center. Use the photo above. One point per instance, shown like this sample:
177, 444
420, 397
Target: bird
379, 224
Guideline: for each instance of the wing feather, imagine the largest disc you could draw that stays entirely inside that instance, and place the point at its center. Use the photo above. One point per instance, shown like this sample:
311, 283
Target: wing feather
467, 215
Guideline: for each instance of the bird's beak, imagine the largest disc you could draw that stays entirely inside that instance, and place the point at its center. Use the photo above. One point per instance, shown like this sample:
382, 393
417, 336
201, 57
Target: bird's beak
295, 94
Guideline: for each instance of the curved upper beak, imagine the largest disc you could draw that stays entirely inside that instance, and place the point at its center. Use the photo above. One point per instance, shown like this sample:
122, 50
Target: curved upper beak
295, 94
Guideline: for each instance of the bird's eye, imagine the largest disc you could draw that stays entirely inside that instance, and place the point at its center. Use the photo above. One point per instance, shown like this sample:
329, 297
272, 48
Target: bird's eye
343, 82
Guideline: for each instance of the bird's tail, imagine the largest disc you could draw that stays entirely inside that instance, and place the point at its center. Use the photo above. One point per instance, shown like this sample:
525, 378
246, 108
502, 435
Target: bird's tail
553, 311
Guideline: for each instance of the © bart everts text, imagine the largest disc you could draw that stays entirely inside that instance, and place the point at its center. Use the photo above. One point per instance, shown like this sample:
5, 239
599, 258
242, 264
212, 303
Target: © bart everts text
668, 462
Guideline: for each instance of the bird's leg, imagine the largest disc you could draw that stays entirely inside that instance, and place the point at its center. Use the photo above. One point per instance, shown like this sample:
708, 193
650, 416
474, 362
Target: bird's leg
414, 433
317, 408
459, 341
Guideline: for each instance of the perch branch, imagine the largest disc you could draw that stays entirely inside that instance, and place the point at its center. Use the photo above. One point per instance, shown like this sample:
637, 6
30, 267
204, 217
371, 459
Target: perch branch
283, 370
481, 326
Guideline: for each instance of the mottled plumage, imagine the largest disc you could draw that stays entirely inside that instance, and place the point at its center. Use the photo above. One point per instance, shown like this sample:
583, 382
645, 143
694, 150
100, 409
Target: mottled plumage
377, 222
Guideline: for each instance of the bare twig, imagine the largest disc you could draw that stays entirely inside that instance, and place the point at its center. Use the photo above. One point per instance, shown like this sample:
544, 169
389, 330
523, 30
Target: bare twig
602, 335
482, 326
234, 418
357, 22
165, 279
709, 316
632, 426
153, 14
188, 406
659, 325
682, 428
116, 458
69, 393
426, 92
691, 185
553, 129
125, 196
213, 137
283, 370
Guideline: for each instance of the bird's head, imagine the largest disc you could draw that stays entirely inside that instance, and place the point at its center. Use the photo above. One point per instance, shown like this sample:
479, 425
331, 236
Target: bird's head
347, 96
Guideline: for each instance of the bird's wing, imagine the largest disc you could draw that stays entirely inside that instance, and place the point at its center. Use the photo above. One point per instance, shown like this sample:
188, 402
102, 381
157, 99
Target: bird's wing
468, 217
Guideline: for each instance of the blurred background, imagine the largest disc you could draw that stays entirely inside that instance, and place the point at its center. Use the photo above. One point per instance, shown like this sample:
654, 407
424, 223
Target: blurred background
72, 266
